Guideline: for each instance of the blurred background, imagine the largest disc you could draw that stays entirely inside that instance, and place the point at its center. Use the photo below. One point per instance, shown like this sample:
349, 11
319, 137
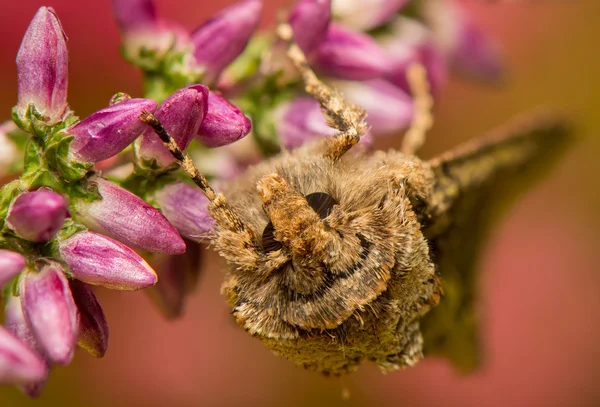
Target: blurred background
541, 273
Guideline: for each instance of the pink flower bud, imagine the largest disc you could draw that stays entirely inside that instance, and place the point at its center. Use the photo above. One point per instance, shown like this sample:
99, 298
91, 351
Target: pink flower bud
49, 309
365, 15
224, 122
18, 363
93, 329
134, 14
37, 216
15, 323
185, 207
389, 108
11, 264
351, 55
129, 218
223, 37
407, 42
99, 260
299, 121
181, 114
178, 276
309, 20
107, 132
468, 49
42, 66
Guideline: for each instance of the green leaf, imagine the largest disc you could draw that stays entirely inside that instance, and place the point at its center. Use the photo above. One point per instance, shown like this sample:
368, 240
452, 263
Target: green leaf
7, 194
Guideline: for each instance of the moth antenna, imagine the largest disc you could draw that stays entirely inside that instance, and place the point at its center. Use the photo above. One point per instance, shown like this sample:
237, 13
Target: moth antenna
218, 201
340, 113
422, 119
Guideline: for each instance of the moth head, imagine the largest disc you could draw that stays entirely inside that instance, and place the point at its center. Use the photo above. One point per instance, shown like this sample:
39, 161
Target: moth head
326, 238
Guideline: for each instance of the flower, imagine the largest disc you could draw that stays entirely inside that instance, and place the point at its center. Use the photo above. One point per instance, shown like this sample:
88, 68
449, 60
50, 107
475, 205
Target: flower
223, 37
309, 20
181, 114
99, 260
185, 207
42, 67
18, 363
37, 216
50, 311
224, 122
108, 131
11, 264
93, 328
129, 218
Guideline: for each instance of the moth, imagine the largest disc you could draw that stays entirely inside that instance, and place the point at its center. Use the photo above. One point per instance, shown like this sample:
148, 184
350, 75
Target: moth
338, 256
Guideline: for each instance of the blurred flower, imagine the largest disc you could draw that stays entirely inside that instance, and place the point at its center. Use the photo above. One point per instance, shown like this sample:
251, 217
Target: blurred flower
310, 20
42, 66
11, 264
181, 114
37, 216
99, 260
469, 51
224, 122
18, 363
185, 207
129, 218
178, 276
93, 328
389, 108
134, 14
223, 37
408, 41
299, 121
50, 311
108, 131
352, 55
16, 323
364, 15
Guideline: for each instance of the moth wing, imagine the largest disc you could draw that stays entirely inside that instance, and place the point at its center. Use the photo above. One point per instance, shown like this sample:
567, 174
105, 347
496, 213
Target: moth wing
474, 184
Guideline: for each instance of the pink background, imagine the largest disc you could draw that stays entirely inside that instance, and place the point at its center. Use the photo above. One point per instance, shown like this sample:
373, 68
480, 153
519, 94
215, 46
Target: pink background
541, 284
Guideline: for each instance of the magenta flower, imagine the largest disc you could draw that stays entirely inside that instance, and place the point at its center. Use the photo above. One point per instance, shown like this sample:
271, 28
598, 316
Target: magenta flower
18, 363
224, 36
389, 108
134, 14
310, 20
364, 15
351, 55
99, 260
16, 324
185, 207
11, 264
93, 328
300, 121
50, 311
108, 131
408, 41
181, 114
224, 122
129, 218
467, 48
178, 276
42, 66
37, 216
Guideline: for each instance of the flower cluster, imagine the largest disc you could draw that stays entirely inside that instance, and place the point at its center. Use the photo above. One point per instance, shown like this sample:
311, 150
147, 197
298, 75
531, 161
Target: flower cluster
66, 227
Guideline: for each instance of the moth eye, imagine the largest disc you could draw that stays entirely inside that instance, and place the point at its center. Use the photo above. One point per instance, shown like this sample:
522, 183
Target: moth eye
269, 243
321, 203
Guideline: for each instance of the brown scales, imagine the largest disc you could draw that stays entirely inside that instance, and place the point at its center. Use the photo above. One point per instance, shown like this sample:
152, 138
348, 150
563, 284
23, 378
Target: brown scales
350, 280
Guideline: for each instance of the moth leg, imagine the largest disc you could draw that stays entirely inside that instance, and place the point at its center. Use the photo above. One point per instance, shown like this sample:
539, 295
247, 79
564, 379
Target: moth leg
340, 113
423, 103
220, 210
